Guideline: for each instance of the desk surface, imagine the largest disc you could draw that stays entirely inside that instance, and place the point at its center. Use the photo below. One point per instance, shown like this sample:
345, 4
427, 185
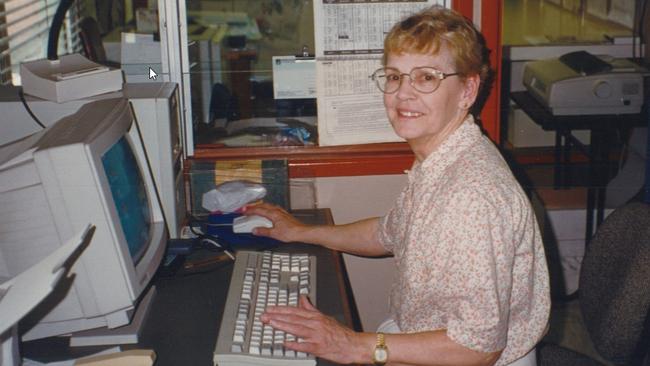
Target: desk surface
183, 322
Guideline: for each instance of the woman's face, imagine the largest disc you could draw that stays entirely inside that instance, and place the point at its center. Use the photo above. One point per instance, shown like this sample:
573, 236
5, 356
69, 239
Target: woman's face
425, 120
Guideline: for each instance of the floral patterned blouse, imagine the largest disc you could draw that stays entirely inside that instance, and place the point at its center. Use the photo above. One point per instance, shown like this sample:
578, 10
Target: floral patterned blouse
468, 250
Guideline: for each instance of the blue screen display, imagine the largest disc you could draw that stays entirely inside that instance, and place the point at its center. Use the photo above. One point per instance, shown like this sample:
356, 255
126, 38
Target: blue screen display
130, 196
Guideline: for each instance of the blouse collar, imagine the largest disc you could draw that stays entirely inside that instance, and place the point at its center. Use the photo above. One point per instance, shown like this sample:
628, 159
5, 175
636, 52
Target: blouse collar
466, 135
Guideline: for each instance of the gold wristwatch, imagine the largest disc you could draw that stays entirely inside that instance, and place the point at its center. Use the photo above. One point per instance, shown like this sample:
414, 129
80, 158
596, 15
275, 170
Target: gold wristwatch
380, 354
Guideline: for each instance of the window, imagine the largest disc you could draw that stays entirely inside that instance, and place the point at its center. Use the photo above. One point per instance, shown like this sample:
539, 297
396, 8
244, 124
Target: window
24, 31
238, 39
231, 48
544, 22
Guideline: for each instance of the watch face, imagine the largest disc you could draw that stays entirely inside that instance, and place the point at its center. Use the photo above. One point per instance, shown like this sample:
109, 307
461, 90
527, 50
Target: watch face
381, 354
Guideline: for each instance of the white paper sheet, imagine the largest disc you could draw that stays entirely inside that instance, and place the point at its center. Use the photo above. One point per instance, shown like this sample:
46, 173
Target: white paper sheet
350, 107
349, 45
294, 78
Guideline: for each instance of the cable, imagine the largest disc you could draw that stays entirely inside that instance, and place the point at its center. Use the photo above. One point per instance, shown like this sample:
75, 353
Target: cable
210, 241
193, 229
201, 266
213, 241
29, 110
55, 28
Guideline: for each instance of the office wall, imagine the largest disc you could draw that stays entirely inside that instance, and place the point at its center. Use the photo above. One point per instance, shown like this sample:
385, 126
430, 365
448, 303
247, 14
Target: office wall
352, 199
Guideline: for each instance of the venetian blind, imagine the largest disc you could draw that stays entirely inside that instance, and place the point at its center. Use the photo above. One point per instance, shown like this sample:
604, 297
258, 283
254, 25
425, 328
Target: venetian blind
24, 27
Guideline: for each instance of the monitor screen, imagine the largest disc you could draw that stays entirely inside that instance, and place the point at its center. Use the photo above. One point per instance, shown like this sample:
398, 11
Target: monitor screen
130, 196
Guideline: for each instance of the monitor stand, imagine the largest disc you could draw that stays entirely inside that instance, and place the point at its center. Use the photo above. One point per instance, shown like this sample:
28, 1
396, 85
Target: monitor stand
127, 334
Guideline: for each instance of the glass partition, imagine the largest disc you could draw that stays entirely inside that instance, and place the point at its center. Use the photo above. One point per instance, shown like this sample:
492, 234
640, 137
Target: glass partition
130, 35
554, 22
237, 99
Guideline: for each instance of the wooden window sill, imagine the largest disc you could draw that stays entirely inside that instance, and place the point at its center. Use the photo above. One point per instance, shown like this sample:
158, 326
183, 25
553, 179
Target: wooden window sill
328, 161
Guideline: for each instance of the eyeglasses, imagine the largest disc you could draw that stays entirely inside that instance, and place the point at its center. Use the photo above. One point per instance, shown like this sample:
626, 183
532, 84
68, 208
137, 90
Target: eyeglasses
424, 79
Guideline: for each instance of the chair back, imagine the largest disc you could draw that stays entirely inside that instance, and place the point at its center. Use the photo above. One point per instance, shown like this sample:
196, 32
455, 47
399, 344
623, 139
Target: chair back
615, 285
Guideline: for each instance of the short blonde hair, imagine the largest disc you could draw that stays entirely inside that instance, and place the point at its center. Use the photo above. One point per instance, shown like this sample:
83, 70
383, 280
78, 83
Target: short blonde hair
428, 30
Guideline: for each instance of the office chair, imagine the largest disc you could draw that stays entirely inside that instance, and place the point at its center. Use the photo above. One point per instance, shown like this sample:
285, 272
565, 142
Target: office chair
223, 104
614, 294
91, 40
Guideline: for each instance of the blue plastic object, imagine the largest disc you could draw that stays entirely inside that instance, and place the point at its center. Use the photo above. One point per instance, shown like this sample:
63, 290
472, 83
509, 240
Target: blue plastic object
181, 246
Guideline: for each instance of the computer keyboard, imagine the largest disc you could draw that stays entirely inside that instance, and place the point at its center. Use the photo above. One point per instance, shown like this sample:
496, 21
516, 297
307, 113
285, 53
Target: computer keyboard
261, 279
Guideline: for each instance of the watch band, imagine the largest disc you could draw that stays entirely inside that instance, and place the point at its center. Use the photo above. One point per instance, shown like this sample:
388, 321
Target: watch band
381, 340
380, 354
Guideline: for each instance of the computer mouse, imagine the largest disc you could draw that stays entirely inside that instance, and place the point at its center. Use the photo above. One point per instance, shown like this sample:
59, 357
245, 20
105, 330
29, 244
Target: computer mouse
246, 224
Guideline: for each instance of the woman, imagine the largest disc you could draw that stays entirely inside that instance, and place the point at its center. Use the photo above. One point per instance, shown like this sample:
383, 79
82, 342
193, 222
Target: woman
472, 283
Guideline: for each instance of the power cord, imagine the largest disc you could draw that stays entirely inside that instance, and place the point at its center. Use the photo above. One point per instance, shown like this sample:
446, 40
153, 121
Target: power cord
187, 254
208, 241
29, 110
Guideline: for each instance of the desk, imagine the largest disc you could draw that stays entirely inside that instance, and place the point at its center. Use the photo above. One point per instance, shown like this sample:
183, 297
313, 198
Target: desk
183, 322
602, 127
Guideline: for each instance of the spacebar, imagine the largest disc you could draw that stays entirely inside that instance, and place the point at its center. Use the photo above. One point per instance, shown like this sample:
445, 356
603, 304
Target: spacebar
243, 359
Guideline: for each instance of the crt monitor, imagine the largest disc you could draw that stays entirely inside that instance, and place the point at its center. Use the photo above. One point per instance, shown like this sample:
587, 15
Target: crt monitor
86, 168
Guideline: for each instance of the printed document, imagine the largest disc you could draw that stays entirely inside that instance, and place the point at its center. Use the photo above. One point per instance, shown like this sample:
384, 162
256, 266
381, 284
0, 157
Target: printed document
349, 46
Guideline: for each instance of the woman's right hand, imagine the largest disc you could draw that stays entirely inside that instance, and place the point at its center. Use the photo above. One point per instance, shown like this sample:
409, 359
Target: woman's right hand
285, 228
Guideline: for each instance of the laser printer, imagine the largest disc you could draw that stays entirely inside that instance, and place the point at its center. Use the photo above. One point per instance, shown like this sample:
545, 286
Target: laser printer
580, 83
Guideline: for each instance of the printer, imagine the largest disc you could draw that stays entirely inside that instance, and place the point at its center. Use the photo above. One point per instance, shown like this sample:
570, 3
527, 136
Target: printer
580, 83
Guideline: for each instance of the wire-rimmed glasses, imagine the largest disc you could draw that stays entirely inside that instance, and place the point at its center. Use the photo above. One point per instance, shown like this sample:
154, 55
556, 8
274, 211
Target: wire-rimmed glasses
424, 79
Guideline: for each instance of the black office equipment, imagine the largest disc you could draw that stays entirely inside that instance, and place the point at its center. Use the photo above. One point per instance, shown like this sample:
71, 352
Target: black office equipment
585, 63
603, 129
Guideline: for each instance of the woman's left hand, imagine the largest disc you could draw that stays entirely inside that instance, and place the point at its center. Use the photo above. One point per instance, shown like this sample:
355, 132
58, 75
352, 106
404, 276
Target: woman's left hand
318, 334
